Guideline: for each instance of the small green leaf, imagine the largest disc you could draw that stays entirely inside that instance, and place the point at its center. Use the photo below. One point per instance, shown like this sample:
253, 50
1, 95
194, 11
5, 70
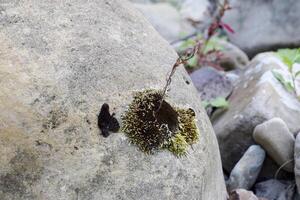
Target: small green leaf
289, 56
219, 102
193, 62
205, 104
279, 77
297, 74
288, 62
187, 44
183, 34
287, 84
213, 44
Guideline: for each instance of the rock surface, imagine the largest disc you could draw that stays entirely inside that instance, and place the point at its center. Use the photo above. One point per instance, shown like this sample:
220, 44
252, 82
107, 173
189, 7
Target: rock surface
232, 56
246, 171
59, 62
166, 20
257, 97
211, 83
270, 169
264, 25
297, 162
275, 137
195, 11
242, 194
275, 189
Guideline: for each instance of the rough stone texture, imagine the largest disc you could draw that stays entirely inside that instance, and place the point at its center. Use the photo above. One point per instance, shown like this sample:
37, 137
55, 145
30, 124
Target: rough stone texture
195, 10
233, 57
242, 194
59, 62
297, 161
257, 97
264, 25
269, 170
245, 172
211, 83
234, 76
275, 189
166, 20
275, 137
296, 196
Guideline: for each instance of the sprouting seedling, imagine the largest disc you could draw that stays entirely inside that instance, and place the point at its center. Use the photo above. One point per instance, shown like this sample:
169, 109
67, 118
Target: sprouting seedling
199, 48
289, 57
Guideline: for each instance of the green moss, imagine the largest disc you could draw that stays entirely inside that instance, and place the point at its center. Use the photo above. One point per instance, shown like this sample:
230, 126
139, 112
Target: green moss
187, 133
169, 128
178, 145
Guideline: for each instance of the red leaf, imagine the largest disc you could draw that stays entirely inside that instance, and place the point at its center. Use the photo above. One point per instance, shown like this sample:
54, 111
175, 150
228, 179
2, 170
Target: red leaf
227, 27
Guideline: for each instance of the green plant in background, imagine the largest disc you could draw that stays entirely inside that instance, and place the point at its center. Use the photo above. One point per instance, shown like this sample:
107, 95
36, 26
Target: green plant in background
289, 57
212, 47
219, 102
288, 85
151, 129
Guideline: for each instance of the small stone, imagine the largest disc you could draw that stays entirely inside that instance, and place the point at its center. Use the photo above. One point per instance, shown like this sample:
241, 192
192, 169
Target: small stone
275, 137
242, 194
232, 57
245, 172
211, 84
275, 189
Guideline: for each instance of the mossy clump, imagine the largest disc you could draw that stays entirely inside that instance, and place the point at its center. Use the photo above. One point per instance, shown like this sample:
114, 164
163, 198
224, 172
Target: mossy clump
153, 129
187, 133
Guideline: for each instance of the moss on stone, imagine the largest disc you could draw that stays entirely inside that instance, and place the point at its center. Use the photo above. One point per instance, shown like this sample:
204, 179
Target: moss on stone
169, 128
187, 133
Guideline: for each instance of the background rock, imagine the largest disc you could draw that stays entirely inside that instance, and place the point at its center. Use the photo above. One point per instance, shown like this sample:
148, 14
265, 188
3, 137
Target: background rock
275, 137
245, 172
242, 194
166, 20
257, 97
211, 83
297, 161
232, 56
195, 11
59, 62
264, 25
269, 170
275, 189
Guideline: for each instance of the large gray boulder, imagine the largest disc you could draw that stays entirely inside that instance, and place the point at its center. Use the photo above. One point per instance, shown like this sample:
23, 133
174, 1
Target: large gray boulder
59, 62
257, 97
262, 25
